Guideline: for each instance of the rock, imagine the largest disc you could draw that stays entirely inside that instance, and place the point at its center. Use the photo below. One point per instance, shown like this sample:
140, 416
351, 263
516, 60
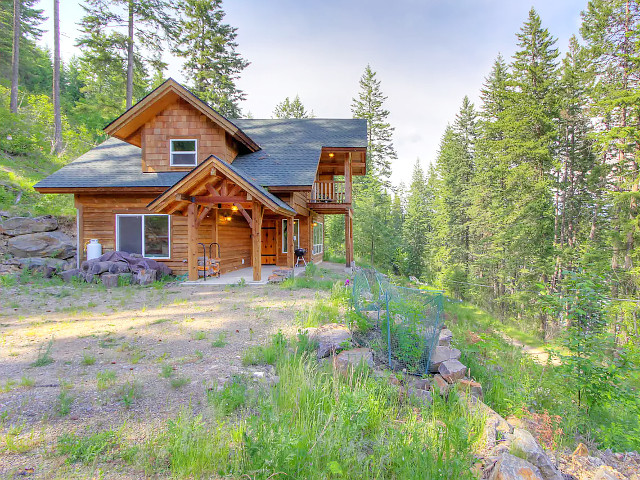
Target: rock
581, 451
90, 277
69, 275
419, 383
422, 396
442, 354
510, 467
109, 280
31, 262
473, 388
331, 338
440, 384
25, 225
606, 472
445, 338
349, 359
45, 244
452, 370
524, 443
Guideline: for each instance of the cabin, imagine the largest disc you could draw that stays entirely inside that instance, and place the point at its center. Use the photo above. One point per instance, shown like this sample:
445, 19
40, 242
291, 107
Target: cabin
174, 174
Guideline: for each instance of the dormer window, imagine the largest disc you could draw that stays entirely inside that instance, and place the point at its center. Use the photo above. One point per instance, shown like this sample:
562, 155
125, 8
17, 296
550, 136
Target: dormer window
184, 152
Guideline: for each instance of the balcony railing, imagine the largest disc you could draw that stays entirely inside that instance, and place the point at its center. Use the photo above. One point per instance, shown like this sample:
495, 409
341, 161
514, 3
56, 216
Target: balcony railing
329, 191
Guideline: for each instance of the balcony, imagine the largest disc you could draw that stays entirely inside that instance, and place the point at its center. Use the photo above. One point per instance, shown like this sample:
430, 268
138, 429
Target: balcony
330, 196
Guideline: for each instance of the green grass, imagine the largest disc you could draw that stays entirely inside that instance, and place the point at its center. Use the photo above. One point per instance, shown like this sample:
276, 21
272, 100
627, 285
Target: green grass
166, 371
129, 393
267, 354
318, 424
27, 382
179, 382
65, 400
86, 449
87, 359
44, 357
220, 341
200, 335
106, 379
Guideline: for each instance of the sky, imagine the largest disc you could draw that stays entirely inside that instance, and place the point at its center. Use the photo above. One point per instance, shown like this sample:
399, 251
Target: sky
428, 54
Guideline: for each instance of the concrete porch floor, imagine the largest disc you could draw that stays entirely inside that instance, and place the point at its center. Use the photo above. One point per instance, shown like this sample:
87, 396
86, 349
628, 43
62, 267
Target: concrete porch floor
232, 278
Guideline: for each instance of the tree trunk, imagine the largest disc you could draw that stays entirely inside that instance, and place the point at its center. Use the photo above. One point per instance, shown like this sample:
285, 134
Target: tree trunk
57, 118
15, 59
130, 58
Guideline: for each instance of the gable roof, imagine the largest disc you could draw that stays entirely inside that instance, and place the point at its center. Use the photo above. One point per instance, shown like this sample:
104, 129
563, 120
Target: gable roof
201, 175
291, 147
125, 126
290, 156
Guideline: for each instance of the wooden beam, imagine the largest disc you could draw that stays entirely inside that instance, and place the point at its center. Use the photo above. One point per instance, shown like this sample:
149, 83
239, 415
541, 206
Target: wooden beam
245, 214
80, 231
215, 225
192, 242
211, 199
347, 178
257, 211
203, 213
290, 245
348, 238
224, 187
212, 190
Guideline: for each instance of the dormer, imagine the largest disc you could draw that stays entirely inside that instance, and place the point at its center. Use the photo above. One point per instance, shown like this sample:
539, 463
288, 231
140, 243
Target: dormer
177, 131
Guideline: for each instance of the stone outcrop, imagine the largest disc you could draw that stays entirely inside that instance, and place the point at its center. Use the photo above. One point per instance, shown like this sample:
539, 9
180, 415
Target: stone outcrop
510, 467
452, 370
26, 225
442, 354
331, 338
444, 340
280, 275
527, 446
348, 359
44, 244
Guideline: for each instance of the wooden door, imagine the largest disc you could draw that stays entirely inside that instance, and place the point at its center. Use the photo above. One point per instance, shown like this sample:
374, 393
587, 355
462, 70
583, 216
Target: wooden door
268, 242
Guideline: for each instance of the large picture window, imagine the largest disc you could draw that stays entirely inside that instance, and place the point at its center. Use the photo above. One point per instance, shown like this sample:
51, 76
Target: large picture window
285, 235
318, 237
147, 235
184, 152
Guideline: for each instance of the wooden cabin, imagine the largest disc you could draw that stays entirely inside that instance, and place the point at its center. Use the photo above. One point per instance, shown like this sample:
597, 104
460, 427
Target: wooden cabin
175, 173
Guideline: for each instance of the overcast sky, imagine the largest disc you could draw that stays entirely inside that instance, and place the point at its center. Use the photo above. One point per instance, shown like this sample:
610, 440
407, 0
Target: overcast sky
428, 54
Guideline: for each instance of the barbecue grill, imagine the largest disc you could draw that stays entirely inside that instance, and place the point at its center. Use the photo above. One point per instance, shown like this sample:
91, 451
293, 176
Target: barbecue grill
300, 253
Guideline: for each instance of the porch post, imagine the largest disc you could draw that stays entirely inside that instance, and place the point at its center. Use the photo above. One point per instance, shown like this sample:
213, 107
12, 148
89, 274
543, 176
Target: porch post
348, 238
347, 178
290, 228
256, 240
192, 242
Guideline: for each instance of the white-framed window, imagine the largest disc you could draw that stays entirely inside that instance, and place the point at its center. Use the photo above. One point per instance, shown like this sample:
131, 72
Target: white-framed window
184, 152
148, 235
285, 234
318, 237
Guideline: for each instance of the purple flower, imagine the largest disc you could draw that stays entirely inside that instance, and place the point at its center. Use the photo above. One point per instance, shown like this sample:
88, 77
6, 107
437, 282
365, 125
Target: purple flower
346, 282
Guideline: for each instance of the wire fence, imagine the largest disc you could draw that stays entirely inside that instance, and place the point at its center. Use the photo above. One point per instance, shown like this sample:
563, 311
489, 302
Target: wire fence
400, 324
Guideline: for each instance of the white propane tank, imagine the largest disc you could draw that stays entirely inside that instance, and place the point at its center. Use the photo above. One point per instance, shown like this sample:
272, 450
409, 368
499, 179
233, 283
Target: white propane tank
94, 249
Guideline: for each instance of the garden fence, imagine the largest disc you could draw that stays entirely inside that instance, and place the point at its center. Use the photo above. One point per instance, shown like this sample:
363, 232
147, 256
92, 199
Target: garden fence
402, 324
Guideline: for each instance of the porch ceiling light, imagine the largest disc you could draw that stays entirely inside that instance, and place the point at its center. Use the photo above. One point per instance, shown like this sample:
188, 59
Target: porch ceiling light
315, 224
228, 218
331, 155
234, 208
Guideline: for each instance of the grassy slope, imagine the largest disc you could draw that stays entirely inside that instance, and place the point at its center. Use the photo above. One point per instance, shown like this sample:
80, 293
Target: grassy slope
18, 174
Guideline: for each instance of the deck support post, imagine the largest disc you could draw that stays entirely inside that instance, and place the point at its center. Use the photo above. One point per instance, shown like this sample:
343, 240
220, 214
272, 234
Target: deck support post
290, 247
257, 211
348, 178
348, 238
192, 242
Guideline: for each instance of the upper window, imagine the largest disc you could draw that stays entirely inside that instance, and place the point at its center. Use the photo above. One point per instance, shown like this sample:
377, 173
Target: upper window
184, 152
148, 235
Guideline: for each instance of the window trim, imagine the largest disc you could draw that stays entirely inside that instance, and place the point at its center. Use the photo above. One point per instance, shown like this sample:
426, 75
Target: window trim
296, 243
171, 152
313, 247
168, 257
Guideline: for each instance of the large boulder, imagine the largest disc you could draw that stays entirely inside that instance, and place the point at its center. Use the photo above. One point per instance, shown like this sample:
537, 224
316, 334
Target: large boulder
510, 467
442, 354
444, 340
349, 359
331, 338
33, 262
527, 446
25, 225
452, 370
607, 473
45, 244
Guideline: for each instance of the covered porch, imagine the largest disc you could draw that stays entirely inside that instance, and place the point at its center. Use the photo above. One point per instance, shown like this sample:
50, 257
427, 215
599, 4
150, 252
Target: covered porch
241, 276
226, 208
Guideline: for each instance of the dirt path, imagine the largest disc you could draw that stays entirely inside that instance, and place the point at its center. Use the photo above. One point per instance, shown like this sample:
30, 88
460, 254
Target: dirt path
538, 355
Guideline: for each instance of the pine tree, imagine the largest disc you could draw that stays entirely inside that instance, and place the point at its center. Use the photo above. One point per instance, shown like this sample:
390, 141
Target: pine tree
15, 56
416, 224
212, 63
291, 109
370, 105
57, 114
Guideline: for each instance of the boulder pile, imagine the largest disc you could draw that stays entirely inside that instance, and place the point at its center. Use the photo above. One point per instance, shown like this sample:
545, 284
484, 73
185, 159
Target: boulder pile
280, 275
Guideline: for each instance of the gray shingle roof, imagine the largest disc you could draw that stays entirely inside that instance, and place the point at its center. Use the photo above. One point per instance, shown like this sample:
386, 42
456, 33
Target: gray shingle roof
291, 148
289, 156
113, 163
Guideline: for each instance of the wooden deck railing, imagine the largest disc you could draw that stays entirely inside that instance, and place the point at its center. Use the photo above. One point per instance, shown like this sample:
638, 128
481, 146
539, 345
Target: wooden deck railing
329, 191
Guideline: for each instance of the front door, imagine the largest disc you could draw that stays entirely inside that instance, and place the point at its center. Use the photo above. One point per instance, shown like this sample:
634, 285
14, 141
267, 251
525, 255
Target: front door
268, 242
